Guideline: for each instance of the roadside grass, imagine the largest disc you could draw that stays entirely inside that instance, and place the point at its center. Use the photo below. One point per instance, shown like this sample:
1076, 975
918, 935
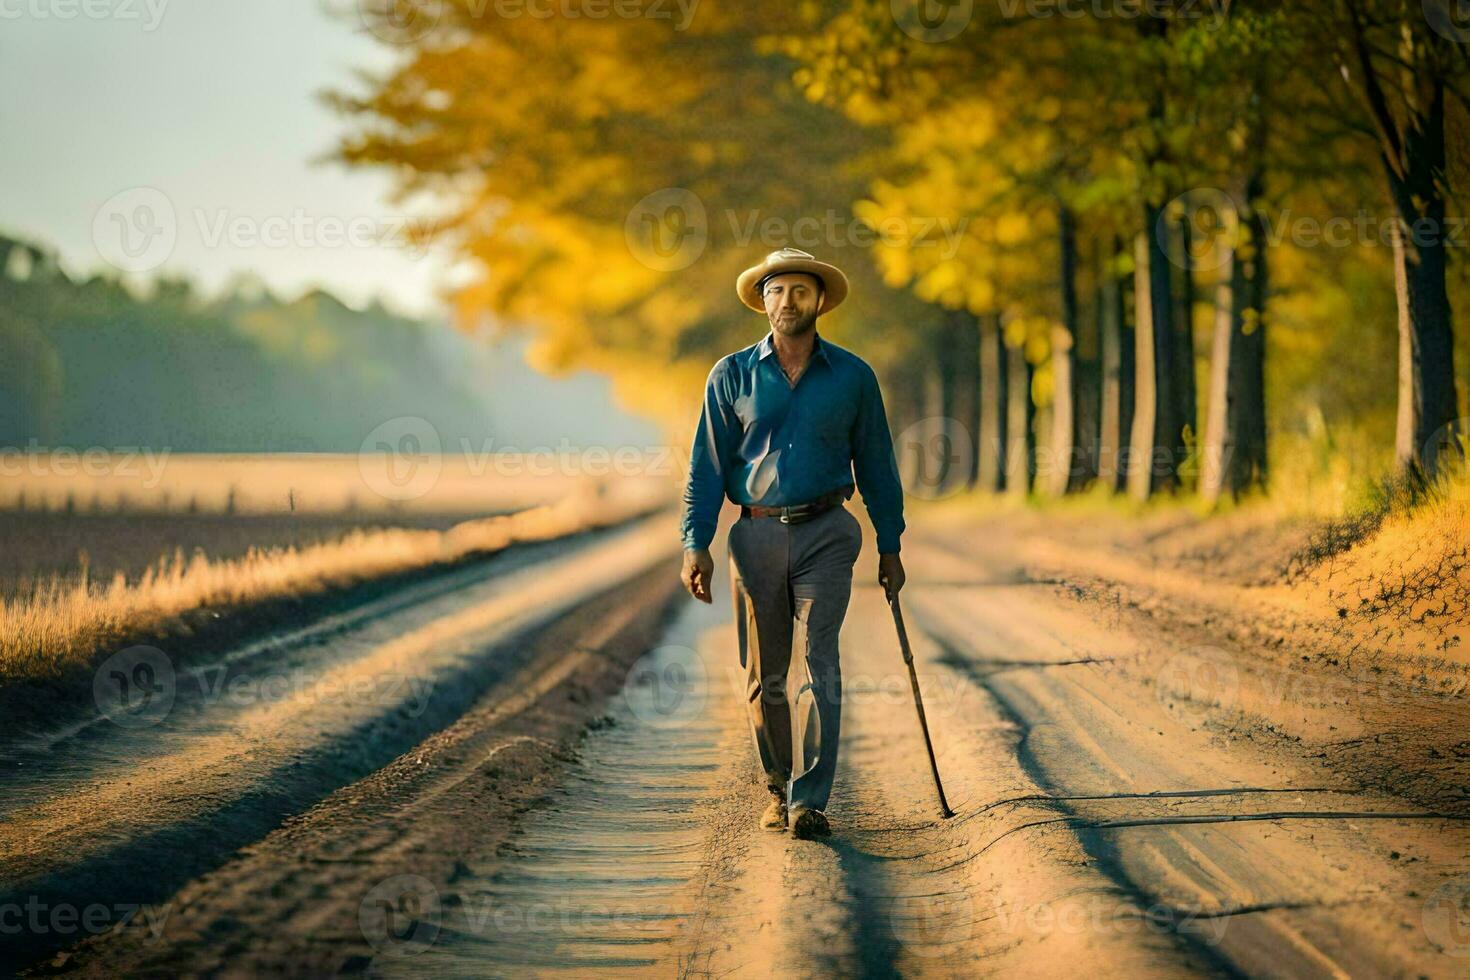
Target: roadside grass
1383, 562
63, 623
1396, 572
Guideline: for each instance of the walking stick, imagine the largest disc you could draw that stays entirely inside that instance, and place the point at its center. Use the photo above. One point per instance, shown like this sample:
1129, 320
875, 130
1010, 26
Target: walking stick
908, 658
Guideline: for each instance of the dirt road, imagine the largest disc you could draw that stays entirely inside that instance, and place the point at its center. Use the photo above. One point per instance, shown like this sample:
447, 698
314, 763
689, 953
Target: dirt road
593, 813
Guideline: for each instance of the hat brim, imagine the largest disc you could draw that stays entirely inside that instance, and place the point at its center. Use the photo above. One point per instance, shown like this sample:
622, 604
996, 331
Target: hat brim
834, 282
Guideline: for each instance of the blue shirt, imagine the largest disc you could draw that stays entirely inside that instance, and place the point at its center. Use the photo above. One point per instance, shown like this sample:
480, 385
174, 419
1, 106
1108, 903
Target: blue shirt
762, 441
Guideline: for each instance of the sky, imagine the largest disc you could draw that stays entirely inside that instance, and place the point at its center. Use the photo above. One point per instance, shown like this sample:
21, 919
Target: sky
177, 136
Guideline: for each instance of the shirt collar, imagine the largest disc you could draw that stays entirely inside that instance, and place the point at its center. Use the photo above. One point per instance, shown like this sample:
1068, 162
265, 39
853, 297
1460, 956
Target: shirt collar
767, 347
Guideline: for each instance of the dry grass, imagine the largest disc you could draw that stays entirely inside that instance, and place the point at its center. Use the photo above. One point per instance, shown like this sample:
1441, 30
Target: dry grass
64, 621
1405, 582
43, 547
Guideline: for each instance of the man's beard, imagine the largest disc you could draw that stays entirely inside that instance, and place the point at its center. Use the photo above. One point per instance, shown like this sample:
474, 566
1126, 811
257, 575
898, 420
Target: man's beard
796, 327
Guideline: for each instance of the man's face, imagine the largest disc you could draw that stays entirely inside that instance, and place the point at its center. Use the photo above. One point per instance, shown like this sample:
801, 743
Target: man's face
792, 300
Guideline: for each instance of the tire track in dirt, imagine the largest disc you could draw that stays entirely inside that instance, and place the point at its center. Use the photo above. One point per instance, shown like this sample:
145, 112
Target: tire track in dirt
172, 802
307, 899
1072, 850
1292, 886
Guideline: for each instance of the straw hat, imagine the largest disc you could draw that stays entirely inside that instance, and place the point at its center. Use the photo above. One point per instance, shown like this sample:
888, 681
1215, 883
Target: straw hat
834, 283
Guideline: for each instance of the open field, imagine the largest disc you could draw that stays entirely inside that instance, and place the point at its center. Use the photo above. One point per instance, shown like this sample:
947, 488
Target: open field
80, 586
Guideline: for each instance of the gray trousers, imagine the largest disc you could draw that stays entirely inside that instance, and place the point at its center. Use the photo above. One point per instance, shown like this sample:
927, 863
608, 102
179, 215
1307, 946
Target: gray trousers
791, 584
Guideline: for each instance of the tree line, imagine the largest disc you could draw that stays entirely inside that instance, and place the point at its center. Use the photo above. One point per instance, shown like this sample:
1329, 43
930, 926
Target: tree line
1094, 233
88, 362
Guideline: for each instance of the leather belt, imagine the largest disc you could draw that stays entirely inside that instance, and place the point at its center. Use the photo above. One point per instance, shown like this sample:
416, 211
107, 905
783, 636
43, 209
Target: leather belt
797, 513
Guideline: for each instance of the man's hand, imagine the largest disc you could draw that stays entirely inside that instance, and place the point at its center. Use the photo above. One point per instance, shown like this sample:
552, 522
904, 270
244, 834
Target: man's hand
699, 568
890, 573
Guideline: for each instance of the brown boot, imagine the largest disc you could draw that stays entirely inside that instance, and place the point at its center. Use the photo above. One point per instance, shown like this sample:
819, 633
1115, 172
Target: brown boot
775, 816
807, 823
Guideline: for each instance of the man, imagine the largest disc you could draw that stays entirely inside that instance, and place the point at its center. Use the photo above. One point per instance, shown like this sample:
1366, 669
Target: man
787, 424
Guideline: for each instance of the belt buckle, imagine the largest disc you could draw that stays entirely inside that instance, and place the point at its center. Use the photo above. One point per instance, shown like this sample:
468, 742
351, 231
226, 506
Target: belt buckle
785, 516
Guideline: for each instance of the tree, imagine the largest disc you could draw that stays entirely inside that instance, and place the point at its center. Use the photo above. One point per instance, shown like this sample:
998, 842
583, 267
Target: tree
1402, 60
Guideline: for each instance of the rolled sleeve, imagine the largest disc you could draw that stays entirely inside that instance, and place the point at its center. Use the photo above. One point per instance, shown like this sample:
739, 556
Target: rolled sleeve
709, 459
876, 469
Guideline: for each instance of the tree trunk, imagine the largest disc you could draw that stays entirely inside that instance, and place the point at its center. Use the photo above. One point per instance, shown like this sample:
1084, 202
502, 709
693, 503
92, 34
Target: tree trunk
1087, 386
908, 389
1427, 400
1020, 423
1061, 462
1245, 461
1212, 458
961, 363
1182, 316
1154, 456
1158, 419
1116, 336
1413, 156
993, 404
1234, 449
